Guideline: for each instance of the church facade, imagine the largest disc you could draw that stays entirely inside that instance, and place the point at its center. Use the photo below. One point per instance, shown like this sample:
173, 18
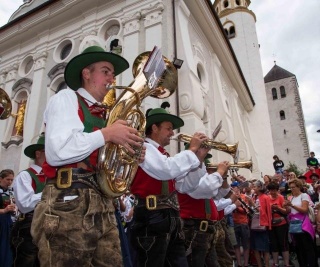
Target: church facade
42, 36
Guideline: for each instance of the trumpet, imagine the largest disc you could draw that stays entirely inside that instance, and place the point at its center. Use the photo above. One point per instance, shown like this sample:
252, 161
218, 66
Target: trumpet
227, 148
240, 164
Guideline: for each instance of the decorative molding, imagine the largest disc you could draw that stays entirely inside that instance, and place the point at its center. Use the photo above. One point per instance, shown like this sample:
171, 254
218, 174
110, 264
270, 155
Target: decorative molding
12, 73
22, 83
57, 70
3, 75
153, 17
40, 60
12, 142
131, 24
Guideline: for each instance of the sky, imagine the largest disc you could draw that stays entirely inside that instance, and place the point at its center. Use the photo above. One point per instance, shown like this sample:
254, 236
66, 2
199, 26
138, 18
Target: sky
288, 33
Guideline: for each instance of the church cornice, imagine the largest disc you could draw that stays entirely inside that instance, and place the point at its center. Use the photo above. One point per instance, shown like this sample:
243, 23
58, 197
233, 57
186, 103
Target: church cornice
227, 12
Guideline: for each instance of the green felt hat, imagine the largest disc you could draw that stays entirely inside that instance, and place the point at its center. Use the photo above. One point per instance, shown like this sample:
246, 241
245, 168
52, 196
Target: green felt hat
92, 54
157, 115
30, 151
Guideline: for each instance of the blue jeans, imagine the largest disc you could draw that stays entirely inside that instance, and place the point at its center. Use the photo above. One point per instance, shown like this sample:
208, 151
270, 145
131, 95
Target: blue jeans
158, 238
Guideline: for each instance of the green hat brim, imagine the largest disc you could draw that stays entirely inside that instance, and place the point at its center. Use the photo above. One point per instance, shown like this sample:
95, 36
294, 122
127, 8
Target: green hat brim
30, 151
72, 73
156, 118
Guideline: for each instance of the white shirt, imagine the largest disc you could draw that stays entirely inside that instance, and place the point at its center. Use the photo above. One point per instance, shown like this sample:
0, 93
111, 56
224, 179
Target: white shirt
65, 140
25, 197
225, 204
184, 167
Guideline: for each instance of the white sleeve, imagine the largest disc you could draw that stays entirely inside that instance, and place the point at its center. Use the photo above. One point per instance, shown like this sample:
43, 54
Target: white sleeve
163, 168
24, 195
222, 203
229, 209
65, 140
209, 186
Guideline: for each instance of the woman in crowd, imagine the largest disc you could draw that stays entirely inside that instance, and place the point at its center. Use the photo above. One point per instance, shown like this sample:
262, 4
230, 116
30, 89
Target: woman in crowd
259, 239
279, 232
6, 210
304, 242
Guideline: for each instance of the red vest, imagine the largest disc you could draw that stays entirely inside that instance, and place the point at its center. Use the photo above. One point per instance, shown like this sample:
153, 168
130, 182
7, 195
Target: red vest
37, 185
144, 185
195, 208
91, 161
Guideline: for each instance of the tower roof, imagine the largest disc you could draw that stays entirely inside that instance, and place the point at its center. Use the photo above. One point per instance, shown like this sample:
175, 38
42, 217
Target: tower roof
277, 73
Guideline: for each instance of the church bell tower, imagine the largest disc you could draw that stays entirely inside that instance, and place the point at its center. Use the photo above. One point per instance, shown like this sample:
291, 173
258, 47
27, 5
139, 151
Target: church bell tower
239, 24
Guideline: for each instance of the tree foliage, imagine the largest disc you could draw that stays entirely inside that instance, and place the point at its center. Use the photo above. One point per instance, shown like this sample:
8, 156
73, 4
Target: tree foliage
294, 168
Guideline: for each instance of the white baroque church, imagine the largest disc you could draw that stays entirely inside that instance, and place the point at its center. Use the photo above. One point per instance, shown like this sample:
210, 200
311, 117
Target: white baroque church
220, 80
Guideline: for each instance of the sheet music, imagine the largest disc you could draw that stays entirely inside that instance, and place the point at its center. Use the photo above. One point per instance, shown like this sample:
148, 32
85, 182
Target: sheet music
154, 67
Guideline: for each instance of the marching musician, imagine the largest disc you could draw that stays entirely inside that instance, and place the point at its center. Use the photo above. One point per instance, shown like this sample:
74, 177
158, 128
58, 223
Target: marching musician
74, 224
200, 216
157, 231
28, 186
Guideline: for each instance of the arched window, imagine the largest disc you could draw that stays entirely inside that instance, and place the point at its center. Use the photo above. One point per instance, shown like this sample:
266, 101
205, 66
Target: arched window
282, 92
274, 94
282, 115
232, 32
238, 2
226, 31
226, 3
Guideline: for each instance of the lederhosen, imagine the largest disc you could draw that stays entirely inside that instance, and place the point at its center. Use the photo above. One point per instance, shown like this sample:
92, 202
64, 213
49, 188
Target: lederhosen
156, 222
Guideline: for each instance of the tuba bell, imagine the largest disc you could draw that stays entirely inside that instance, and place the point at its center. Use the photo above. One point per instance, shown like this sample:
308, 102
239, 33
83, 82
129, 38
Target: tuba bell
116, 168
5, 105
227, 148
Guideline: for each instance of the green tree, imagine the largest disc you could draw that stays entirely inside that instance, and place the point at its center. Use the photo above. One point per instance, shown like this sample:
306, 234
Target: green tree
294, 168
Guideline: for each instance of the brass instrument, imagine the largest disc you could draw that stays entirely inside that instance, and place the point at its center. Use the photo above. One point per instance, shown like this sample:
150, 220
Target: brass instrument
239, 165
248, 209
230, 149
5, 105
116, 168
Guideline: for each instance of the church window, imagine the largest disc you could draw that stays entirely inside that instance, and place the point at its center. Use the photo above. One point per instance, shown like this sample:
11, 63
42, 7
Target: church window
274, 94
282, 92
232, 32
287, 150
282, 115
217, 10
226, 3
28, 66
112, 30
65, 51
238, 2
226, 31
284, 131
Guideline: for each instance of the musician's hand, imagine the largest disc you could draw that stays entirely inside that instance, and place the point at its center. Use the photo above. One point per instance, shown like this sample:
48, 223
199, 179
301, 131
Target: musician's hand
202, 153
9, 208
120, 133
233, 198
237, 203
223, 167
196, 141
142, 154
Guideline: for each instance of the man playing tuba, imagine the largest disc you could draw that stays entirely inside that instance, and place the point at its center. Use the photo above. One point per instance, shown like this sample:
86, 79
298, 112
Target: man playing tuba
74, 224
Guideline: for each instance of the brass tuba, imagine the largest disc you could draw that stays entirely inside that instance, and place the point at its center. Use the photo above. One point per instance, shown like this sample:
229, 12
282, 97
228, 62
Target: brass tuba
230, 149
5, 105
239, 165
116, 168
